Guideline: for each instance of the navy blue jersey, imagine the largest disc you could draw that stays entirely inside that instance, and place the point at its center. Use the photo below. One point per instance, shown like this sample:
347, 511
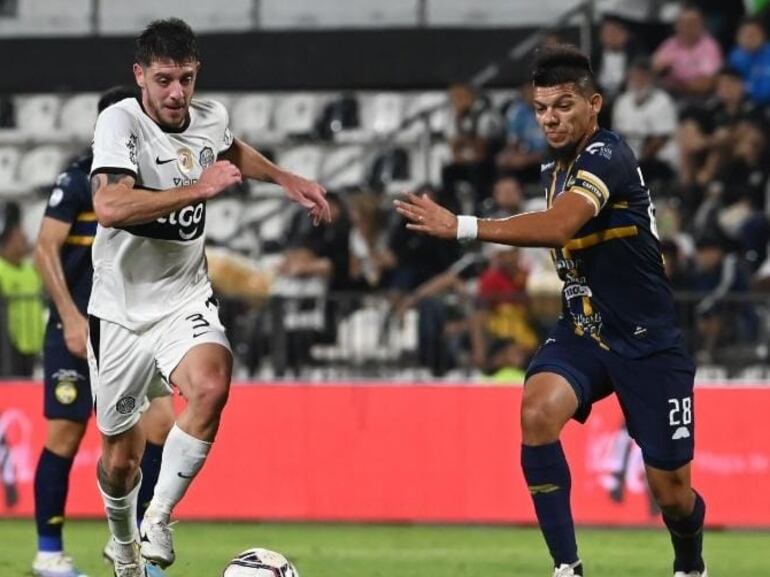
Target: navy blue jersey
615, 289
71, 202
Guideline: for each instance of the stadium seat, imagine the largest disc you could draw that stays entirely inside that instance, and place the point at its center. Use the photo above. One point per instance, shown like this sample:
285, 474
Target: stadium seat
439, 156
435, 105
9, 162
78, 115
343, 167
338, 13
304, 160
223, 217
39, 167
384, 113
37, 115
295, 114
224, 98
251, 118
267, 218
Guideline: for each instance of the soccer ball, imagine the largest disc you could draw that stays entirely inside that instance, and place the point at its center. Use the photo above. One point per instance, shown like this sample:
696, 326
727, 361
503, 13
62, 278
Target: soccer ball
260, 563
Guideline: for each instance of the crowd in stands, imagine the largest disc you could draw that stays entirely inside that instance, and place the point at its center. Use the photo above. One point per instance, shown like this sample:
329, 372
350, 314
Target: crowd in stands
695, 108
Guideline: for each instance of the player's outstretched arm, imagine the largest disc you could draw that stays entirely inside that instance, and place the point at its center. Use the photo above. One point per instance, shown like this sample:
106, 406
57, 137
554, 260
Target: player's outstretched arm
118, 202
50, 240
549, 228
306, 193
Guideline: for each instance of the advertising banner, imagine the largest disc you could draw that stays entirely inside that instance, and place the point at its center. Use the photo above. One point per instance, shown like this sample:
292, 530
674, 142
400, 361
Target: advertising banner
442, 453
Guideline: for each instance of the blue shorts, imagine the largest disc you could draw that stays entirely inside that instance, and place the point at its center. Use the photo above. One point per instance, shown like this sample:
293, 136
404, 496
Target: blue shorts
654, 392
66, 382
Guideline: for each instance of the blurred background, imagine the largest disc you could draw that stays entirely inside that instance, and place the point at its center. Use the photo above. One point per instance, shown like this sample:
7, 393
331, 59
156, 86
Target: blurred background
362, 350
373, 99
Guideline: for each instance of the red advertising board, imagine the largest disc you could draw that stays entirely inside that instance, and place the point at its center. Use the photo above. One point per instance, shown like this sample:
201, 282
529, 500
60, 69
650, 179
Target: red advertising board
362, 452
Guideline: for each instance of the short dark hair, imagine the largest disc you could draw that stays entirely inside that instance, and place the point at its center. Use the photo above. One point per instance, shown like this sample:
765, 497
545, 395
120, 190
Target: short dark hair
563, 64
114, 95
171, 38
754, 21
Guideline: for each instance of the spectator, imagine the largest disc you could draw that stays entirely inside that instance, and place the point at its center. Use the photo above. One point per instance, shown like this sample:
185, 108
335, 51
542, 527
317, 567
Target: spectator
646, 117
707, 131
20, 304
474, 131
370, 257
443, 306
507, 199
721, 18
615, 52
751, 57
321, 251
721, 320
689, 60
418, 257
501, 331
525, 144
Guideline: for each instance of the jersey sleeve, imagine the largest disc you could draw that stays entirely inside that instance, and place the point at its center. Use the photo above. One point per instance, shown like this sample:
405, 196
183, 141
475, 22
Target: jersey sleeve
65, 201
596, 173
225, 135
115, 144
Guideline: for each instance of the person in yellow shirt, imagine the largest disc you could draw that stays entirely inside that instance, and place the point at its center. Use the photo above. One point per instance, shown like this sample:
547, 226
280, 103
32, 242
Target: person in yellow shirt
21, 308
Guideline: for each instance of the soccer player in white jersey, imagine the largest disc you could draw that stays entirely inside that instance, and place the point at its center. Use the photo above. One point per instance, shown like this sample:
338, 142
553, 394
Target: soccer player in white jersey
152, 317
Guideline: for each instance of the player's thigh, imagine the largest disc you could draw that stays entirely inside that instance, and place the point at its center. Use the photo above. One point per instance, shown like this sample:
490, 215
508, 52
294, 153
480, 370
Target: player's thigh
66, 383
577, 361
194, 351
656, 395
122, 367
158, 419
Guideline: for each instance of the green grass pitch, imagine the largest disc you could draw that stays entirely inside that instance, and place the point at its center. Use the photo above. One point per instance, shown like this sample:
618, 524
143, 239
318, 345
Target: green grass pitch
337, 550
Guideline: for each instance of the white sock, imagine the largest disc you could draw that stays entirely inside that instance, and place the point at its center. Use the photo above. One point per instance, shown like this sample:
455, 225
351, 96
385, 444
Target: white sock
183, 457
121, 517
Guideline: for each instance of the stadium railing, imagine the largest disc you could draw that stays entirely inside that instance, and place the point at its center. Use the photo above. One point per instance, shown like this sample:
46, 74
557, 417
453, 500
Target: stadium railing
344, 336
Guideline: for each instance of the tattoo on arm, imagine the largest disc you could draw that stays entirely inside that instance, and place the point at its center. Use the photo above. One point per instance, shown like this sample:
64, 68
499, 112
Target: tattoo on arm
105, 179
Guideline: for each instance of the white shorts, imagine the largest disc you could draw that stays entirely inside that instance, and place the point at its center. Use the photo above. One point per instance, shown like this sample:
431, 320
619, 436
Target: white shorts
129, 368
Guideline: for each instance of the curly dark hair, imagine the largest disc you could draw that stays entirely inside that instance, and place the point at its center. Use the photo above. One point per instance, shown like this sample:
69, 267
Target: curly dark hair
171, 38
563, 64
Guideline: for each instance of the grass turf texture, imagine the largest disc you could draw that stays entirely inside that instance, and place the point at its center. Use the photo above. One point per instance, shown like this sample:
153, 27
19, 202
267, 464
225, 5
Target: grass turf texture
203, 550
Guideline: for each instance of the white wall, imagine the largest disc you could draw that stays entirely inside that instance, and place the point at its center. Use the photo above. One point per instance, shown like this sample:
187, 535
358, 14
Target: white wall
73, 17
338, 13
130, 16
48, 18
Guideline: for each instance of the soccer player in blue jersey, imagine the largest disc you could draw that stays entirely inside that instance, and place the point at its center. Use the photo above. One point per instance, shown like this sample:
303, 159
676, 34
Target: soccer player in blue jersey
618, 332
63, 255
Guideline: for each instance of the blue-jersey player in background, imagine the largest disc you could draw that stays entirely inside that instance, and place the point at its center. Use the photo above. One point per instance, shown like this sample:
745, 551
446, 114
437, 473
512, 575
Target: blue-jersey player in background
63, 255
618, 332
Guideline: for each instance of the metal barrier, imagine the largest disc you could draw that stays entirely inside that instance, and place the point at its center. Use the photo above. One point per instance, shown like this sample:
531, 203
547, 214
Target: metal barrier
379, 336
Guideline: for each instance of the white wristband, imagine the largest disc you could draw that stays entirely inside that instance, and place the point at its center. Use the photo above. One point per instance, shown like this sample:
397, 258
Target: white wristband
467, 228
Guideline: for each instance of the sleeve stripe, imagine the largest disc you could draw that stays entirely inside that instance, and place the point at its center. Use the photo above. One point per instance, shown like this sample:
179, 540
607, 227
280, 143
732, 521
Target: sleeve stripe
588, 196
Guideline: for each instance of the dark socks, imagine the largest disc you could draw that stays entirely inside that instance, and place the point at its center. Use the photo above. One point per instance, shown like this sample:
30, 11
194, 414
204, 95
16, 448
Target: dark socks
51, 485
687, 538
547, 474
150, 470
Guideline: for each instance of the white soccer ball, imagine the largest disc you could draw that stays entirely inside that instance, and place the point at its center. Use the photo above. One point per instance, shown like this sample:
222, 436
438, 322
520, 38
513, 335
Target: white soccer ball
260, 563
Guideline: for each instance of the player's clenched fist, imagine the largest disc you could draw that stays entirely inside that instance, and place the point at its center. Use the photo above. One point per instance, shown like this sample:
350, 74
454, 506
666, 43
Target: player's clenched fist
219, 176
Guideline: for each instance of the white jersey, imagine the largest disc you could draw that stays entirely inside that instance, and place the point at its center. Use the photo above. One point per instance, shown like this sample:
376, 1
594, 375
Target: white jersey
145, 272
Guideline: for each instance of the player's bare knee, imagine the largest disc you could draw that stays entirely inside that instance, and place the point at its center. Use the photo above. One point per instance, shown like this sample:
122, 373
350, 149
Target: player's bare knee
118, 470
673, 495
540, 422
209, 394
